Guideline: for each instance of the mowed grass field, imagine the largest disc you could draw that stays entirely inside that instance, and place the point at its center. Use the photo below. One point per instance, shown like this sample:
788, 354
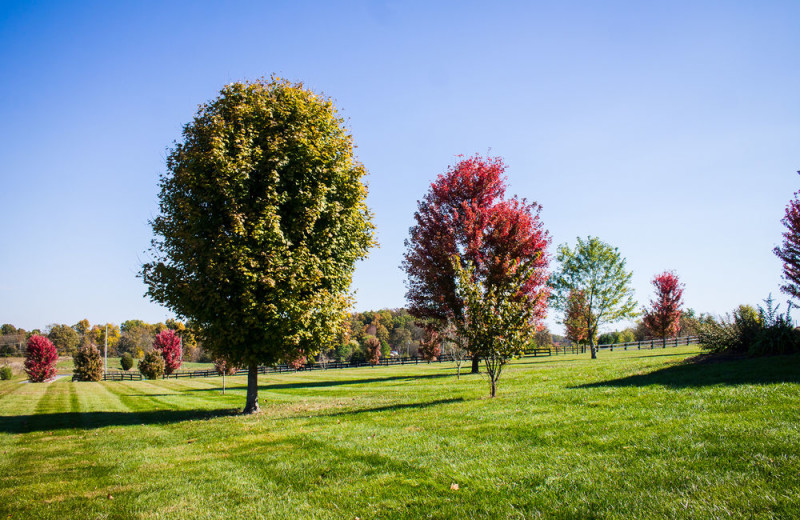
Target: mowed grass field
632, 434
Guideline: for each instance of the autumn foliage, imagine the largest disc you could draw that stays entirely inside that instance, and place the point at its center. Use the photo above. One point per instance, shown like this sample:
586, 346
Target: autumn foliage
466, 214
575, 321
789, 253
430, 346
40, 359
152, 365
662, 318
168, 344
373, 347
225, 368
298, 361
88, 363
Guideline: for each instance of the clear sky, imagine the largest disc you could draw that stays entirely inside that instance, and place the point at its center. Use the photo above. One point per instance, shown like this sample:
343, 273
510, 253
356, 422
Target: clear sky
669, 129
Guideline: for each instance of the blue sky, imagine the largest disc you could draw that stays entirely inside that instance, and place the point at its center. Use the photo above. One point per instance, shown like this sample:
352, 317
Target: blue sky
668, 129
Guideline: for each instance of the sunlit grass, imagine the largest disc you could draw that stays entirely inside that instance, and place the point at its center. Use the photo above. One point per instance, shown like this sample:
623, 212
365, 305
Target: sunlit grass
632, 434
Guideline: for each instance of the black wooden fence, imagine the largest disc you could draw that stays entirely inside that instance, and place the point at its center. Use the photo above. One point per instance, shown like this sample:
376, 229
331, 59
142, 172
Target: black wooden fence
638, 345
331, 365
412, 360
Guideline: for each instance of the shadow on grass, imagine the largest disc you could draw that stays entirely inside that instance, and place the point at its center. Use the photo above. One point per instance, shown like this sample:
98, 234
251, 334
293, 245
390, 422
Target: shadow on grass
748, 371
394, 407
328, 383
92, 420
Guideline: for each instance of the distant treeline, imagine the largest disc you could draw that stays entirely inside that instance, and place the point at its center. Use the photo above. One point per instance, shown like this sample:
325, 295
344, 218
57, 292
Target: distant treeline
395, 329
132, 336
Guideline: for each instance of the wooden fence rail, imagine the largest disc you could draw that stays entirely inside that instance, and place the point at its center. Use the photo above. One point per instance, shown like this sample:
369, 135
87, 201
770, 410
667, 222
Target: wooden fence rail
638, 345
412, 360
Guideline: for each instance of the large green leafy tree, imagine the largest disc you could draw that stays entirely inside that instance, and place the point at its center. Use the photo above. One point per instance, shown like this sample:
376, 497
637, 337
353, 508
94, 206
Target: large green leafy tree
598, 271
262, 218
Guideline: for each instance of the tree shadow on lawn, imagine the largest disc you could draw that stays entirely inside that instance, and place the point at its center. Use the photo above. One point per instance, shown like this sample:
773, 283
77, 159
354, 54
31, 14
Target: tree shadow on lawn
746, 371
93, 420
322, 384
393, 407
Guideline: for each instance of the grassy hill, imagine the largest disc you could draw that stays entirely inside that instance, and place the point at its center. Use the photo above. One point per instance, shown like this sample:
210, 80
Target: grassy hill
632, 434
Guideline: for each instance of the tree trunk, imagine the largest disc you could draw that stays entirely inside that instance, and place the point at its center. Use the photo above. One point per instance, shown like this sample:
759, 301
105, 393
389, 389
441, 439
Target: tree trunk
494, 386
252, 389
476, 364
593, 349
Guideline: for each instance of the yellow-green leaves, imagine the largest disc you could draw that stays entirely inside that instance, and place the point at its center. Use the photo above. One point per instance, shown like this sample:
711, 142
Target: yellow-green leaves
263, 216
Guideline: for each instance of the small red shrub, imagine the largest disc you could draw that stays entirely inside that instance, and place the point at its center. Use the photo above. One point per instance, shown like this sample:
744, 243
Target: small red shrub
373, 347
298, 362
40, 359
168, 343
224, 367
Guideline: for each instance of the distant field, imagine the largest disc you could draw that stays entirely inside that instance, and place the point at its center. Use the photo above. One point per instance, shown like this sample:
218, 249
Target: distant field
632, 434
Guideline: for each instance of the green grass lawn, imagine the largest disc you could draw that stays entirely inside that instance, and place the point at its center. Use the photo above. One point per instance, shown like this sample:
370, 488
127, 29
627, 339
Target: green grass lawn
632, 434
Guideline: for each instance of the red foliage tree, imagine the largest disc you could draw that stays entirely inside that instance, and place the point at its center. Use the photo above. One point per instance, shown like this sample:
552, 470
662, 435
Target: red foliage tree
224, 367
430, 346
663, 317
575, 322
373, 346
297, 362
790, 252
40, 359
465, 213
168, 344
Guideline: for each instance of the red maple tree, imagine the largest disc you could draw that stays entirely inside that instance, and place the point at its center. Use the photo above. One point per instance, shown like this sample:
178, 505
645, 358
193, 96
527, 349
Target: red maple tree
168, 343
40, 359
662, 319
465, 213
790, 252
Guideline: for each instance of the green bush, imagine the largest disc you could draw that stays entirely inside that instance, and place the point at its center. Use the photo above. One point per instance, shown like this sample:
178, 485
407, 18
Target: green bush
126, 361
345, 350
749, 331
152, 366
358, 357
6, 372
88, 364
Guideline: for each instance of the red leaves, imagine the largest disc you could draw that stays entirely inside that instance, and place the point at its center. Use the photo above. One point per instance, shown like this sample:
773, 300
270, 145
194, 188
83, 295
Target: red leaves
430, 347
224, 367
373, 347
662, 319
790, 252
168, 343
298, 362
465, 214
40, 359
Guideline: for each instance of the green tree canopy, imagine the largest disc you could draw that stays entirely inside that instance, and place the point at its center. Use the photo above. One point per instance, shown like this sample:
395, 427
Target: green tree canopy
598, 270
64, 338
262, 218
